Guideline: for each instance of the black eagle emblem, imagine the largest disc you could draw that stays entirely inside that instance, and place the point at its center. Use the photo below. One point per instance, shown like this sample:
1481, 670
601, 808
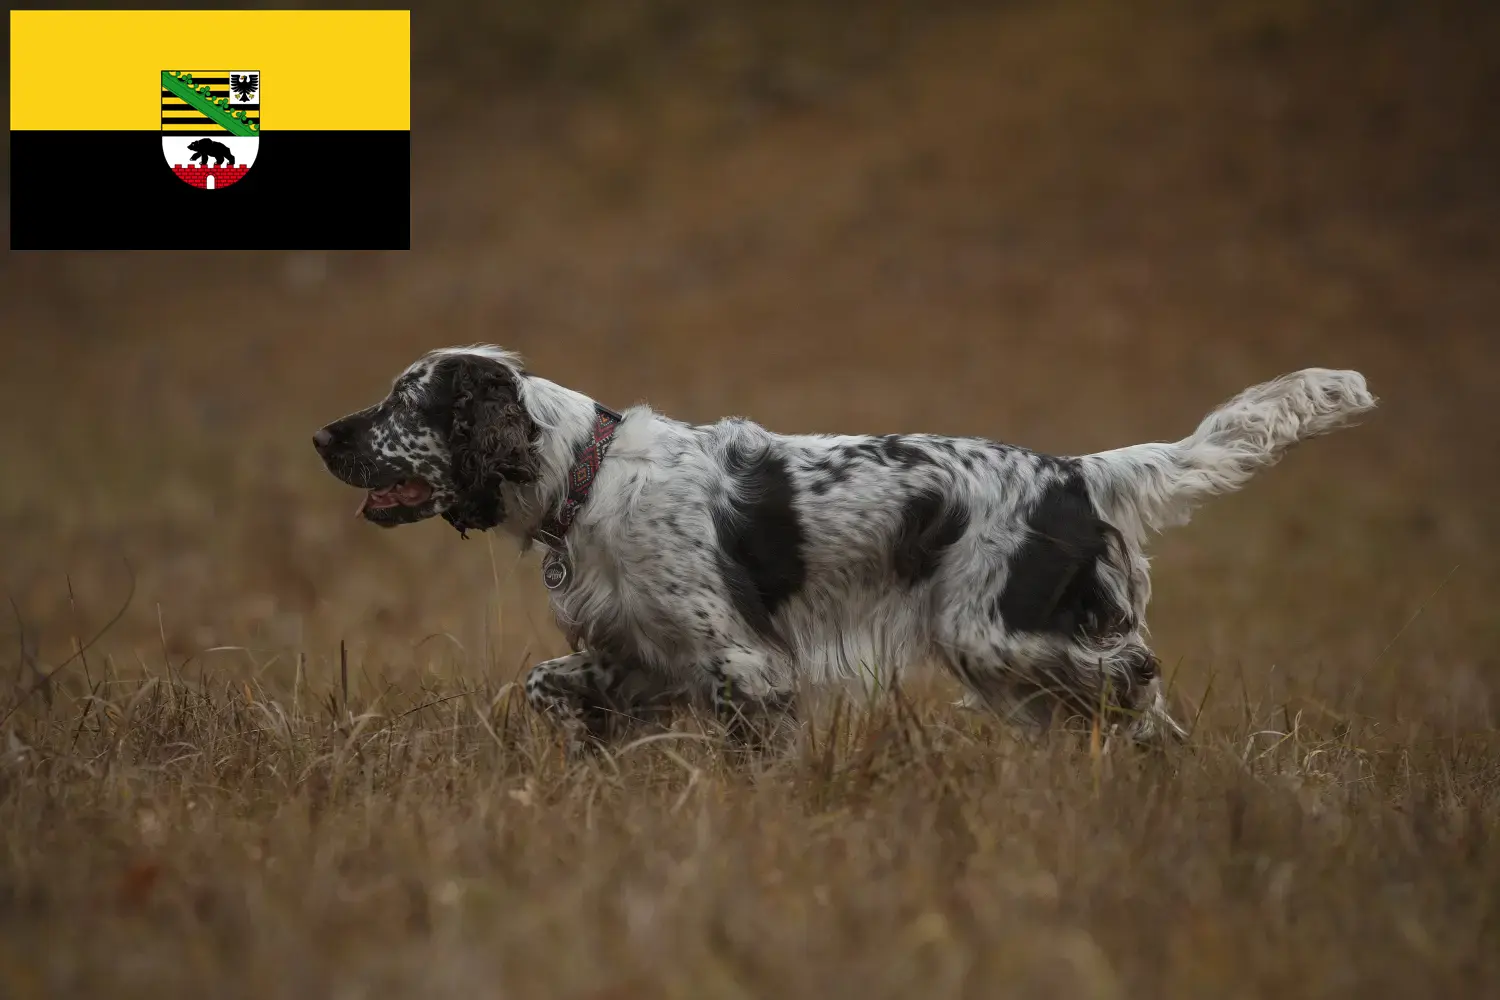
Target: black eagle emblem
244, 85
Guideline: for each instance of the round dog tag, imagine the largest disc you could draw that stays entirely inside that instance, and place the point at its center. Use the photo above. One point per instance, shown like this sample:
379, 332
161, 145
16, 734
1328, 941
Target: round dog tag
554, 570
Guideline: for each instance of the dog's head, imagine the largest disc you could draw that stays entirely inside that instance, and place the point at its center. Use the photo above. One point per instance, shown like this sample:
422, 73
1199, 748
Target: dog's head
452, 432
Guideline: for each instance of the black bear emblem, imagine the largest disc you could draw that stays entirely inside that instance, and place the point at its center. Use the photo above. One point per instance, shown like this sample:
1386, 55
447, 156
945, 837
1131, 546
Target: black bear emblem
204, 148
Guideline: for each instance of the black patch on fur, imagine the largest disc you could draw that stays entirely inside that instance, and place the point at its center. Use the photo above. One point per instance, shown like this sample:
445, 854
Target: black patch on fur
1002, 451
490, 437
825, 473
760, 538
1053, 586
902, 453
944, 444
929, 525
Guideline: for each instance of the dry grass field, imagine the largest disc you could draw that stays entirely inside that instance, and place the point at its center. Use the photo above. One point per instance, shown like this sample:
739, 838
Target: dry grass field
252, 748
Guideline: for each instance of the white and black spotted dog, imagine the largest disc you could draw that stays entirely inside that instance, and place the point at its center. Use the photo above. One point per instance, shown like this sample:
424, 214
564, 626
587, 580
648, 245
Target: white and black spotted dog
727, 566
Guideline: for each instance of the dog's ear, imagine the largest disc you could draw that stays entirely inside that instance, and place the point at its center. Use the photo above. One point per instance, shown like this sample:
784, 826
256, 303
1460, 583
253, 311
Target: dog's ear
490, 440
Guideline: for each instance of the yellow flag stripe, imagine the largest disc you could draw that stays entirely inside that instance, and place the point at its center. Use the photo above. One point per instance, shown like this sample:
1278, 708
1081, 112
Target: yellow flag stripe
320, 69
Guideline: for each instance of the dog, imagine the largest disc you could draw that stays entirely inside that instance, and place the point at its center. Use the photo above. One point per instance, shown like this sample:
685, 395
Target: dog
726, 566
204, 148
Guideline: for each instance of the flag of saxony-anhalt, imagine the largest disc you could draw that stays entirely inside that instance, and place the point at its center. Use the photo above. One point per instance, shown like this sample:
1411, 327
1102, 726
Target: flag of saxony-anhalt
142, 129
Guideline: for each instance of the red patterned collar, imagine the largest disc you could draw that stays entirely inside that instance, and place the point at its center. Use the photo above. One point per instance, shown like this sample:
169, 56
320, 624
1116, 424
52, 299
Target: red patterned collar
580, 477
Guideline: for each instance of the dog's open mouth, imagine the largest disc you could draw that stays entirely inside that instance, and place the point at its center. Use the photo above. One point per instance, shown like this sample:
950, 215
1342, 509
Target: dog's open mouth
405, 493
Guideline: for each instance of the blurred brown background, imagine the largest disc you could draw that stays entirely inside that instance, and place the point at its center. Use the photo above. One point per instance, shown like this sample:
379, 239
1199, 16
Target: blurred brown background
1066, 225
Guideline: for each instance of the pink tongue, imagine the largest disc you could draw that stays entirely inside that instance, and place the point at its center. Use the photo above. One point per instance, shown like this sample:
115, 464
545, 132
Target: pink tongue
377, 499
409, 492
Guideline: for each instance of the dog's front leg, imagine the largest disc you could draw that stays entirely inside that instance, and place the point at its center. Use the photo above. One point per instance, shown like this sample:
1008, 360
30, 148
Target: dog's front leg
748, 699
595, 696
576, 693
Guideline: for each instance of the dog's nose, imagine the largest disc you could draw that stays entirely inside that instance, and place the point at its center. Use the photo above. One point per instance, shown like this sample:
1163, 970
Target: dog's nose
322, 439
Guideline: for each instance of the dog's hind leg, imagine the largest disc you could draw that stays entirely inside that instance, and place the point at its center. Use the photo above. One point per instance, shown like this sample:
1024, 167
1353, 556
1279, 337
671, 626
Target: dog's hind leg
1034, 680
1153, 722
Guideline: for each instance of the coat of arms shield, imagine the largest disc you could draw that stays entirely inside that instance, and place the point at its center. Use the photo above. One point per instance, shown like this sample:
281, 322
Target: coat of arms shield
210, 125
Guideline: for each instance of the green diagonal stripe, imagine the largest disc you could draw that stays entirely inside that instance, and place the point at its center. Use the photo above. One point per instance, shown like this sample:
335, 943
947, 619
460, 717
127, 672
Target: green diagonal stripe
205, 105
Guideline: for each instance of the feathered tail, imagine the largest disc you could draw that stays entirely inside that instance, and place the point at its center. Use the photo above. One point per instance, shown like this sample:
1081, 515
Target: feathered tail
1154, 486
